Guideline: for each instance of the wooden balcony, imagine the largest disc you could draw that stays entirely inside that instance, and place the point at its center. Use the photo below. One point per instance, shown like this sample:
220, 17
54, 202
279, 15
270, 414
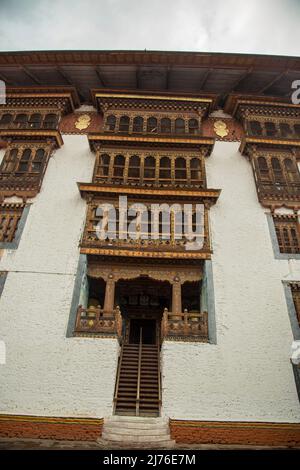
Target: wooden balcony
270, 192
94, 321
186, 326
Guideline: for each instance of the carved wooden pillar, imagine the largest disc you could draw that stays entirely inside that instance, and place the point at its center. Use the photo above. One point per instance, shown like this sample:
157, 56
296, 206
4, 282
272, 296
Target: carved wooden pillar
109, 298
176, 296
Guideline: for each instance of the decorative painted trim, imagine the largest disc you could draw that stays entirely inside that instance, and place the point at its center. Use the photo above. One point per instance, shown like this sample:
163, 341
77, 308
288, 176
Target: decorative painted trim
291, 310
44, 427
145, 254
153, 97
15, 243
117, 137
236, 432
274, 241
178, 192
13, 133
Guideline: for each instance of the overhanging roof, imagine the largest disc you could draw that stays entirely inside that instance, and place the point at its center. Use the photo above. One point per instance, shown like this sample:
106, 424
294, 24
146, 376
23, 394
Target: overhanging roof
185, 72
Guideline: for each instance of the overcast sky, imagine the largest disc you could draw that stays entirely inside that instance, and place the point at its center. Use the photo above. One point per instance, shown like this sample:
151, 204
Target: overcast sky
253, 26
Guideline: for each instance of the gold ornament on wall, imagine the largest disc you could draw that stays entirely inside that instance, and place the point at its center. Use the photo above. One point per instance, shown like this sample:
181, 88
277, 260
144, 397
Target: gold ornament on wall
221, 129
83, 122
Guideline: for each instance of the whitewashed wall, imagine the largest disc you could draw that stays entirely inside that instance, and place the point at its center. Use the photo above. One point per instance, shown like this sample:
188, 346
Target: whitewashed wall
47, 373
247, 375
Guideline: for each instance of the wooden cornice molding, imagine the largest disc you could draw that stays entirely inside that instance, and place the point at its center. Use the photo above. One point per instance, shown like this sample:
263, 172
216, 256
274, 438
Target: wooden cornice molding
137, 253
38, 94
117, 139
20, 135
265, 142
96, 190
272, 104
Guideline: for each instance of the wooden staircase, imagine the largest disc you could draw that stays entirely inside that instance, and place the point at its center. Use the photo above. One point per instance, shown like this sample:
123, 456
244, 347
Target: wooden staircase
138, 390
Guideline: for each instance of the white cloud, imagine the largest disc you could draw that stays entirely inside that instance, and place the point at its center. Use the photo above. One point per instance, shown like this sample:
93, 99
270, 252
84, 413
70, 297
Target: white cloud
256, 26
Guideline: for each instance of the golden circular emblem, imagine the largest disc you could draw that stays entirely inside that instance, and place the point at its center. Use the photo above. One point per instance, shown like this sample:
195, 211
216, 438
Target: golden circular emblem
83, 122
221, 129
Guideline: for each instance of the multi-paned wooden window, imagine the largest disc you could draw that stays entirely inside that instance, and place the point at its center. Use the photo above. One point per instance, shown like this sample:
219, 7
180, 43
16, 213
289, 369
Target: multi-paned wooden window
152, 124
277, 173
27, 120
296, 298
10, 215
23, 160
287, 232
184, 169
286, 130
139, 227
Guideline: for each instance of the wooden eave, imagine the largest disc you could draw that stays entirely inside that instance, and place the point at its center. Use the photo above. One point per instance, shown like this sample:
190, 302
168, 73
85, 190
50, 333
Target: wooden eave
234, 102
20, 135
118, 139
88, 190
207, 101
39, 93
265, 142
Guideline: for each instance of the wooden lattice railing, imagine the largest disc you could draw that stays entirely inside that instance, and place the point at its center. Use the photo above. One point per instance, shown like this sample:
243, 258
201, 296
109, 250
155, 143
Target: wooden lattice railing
94, 320
186, 325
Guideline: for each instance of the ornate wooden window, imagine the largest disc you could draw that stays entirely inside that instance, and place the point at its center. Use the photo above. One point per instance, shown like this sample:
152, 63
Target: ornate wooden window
296, 298
153, 169
297, 130
6, 119
180, 170
287, 232
270, 128
23, 166
165, 169
138, 124
134, 168
50, 121
179, 126
193, 126
111, 123
119, 166
149, 169
152, 124
255, 128
285, 130
35, 121
196, 174
21, 120
124, 124
165, 125
10, 215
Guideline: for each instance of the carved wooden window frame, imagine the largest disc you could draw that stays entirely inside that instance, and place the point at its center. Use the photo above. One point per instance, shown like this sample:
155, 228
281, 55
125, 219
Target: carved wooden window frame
29, 123
288, 233
295, 288
105, 172
10, 216
146, 116
278, 123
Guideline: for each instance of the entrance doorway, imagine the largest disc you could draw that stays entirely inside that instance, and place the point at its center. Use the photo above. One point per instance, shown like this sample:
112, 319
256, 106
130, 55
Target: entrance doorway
142, 302
144, 328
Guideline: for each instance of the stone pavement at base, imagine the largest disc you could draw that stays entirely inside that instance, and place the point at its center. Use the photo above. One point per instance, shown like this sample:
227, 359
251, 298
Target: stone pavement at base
48, 444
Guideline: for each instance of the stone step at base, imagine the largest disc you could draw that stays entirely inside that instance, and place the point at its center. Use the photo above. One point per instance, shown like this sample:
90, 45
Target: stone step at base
142, 429
124, 437
150, 445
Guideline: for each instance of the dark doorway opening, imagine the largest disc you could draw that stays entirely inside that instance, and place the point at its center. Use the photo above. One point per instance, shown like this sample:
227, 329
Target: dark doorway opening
145, 327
